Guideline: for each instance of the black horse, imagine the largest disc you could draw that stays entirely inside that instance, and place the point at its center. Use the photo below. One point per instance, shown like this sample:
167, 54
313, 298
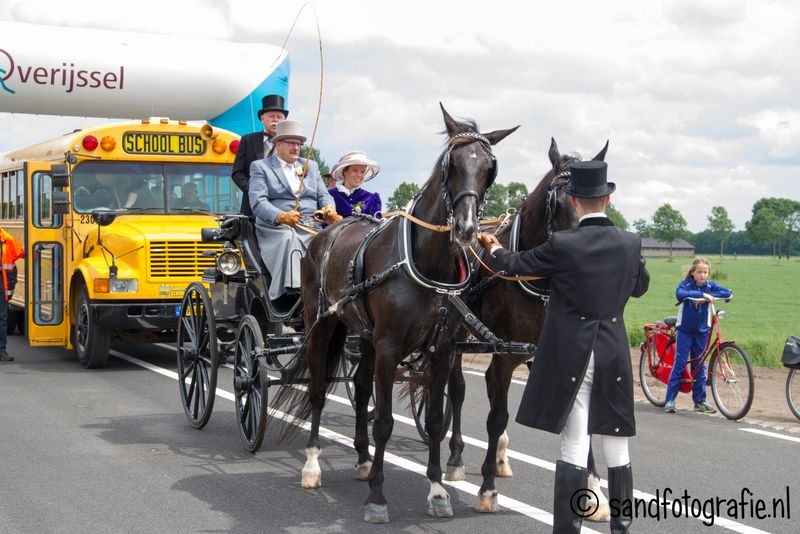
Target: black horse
389, 283
513, 310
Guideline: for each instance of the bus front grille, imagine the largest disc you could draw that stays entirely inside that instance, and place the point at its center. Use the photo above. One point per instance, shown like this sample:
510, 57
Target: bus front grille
179, 259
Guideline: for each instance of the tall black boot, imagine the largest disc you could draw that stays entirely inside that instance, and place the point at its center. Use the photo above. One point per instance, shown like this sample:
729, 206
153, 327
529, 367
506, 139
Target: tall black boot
620, 492
570, 479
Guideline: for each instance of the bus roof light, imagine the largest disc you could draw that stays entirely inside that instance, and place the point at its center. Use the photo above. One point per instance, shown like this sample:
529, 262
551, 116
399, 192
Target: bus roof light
234, 146
89, 142
219, 146
108, 143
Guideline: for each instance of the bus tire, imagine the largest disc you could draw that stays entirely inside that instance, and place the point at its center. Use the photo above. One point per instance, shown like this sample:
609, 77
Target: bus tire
91, 342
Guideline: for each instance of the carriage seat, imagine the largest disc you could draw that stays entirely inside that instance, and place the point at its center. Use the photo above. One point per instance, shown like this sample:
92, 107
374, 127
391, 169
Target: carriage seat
671, 320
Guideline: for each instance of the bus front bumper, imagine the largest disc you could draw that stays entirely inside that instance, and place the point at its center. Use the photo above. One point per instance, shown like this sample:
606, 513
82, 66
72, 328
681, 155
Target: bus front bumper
136, 315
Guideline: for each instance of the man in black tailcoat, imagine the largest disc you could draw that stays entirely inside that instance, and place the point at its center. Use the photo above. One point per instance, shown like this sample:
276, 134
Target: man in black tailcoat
255, 146
581, 381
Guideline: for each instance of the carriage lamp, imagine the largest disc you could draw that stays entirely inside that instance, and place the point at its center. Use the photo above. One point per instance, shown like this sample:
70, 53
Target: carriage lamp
720, 314
229, 262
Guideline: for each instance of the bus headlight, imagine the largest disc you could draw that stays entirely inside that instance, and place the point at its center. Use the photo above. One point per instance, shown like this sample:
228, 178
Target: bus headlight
123, 285
229, 262
116, 285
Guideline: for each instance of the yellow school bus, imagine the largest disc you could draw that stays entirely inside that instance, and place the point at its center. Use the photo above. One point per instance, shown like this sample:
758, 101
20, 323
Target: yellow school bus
110, 217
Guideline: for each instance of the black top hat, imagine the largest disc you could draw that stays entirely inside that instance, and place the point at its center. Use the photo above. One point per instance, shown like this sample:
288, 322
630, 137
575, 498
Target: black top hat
589, 180
273, 103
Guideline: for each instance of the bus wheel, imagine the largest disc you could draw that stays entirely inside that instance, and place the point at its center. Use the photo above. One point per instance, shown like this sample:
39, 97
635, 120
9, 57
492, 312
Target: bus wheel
92, 343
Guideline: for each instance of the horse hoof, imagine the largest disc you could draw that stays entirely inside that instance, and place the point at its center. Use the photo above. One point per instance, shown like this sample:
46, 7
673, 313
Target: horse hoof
455, 473
601, 514
376, 513
487, 503
504, 470
311, 479
362, 470
439, 506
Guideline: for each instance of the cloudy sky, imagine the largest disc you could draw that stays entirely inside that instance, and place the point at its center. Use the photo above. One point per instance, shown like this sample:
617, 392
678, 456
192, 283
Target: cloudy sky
699, 98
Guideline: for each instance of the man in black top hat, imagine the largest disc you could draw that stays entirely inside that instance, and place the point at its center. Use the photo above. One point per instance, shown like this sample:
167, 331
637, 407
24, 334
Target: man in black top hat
581, 381
255, 146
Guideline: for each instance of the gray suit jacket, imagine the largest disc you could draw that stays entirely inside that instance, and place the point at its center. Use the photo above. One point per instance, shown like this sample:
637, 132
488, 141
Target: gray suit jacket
270, 192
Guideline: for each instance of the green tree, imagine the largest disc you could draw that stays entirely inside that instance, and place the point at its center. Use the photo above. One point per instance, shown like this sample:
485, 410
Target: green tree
668, 225
315, 155
765, 226
616, 217
402, 195
642, 228
501, 197
720, 226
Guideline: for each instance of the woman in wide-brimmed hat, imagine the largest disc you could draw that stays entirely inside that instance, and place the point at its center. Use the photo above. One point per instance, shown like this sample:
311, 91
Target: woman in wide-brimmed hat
350, 172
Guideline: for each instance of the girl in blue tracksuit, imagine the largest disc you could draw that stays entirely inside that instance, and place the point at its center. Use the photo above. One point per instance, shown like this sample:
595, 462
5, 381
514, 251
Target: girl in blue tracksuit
693, 328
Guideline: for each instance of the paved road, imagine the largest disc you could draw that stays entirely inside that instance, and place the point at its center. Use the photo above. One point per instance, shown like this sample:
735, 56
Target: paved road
110, 451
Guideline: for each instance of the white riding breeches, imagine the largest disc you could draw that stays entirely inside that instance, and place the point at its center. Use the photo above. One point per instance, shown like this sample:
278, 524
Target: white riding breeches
575, 437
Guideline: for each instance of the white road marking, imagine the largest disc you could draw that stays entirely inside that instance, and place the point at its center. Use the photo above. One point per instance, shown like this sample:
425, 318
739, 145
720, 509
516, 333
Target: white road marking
770, 434
507, 502
347, 441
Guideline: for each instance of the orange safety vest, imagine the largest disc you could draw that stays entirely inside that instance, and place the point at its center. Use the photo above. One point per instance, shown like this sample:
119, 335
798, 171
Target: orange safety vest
11, 251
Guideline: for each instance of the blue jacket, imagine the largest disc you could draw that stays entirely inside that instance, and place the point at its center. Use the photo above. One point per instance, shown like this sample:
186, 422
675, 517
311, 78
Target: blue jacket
693, 318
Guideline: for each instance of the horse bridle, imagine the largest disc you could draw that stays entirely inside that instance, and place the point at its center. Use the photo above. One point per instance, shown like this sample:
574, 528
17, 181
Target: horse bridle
551, 200
451, 202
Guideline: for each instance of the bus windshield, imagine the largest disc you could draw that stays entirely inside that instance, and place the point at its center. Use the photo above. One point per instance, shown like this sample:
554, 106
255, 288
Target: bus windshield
154, 187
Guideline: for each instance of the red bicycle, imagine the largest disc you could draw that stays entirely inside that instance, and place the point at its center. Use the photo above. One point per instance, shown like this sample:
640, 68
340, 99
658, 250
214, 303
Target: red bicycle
730, 374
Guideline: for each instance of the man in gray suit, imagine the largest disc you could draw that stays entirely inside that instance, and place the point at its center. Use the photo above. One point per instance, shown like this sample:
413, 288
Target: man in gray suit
581, 381
280, 198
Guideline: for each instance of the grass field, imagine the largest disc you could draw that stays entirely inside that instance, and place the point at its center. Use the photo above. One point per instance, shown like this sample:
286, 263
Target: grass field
765, 309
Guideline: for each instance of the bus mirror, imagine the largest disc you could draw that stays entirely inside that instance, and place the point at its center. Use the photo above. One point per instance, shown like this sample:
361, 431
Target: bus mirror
60, 202
104, 217
60, 175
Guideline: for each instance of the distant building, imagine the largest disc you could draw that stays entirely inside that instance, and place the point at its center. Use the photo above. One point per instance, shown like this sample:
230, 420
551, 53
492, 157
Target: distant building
655, 247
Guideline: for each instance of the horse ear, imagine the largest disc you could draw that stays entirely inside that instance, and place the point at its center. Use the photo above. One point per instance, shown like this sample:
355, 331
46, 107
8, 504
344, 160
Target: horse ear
498, 135
449, 122
554, 154
602, 154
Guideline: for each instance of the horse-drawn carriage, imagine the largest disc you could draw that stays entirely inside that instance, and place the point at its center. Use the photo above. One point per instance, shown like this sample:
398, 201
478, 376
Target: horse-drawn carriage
373, 293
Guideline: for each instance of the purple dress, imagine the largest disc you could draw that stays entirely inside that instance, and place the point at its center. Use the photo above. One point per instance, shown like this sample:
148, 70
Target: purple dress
370, 203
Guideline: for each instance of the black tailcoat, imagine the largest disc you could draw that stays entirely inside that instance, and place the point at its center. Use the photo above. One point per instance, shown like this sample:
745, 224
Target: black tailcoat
593, 270
251, 148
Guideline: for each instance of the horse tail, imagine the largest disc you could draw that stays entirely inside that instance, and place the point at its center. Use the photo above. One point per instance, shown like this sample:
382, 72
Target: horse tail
293, 397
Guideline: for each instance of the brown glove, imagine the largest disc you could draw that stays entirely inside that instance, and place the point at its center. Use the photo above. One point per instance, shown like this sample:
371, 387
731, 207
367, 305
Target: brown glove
327, 215
289, 217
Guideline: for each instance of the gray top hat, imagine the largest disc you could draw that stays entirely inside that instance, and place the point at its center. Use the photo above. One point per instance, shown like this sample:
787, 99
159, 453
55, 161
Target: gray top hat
289, 130
588, 180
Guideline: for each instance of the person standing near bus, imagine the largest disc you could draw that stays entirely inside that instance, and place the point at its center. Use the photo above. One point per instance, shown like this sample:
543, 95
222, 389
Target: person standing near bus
257, 145
10, 251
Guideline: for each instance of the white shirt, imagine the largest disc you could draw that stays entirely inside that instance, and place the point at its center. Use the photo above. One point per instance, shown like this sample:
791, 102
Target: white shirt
290, 172
595, 214
344, 190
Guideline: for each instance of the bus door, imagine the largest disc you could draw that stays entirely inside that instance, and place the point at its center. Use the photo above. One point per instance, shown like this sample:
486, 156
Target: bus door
45, 253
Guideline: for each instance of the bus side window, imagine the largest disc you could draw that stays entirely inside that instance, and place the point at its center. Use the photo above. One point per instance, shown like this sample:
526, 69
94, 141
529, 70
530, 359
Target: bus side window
4, 185
12, 195
20, 195
42, 199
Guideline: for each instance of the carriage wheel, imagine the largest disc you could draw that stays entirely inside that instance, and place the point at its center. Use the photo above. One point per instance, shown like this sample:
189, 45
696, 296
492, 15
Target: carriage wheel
418, 405
250, 383
654, 389
793, 391
731, 381
198, 356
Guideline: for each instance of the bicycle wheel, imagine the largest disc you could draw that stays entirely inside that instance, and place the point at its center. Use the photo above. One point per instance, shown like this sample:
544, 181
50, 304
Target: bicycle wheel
654, 389
731, 381
793, 391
